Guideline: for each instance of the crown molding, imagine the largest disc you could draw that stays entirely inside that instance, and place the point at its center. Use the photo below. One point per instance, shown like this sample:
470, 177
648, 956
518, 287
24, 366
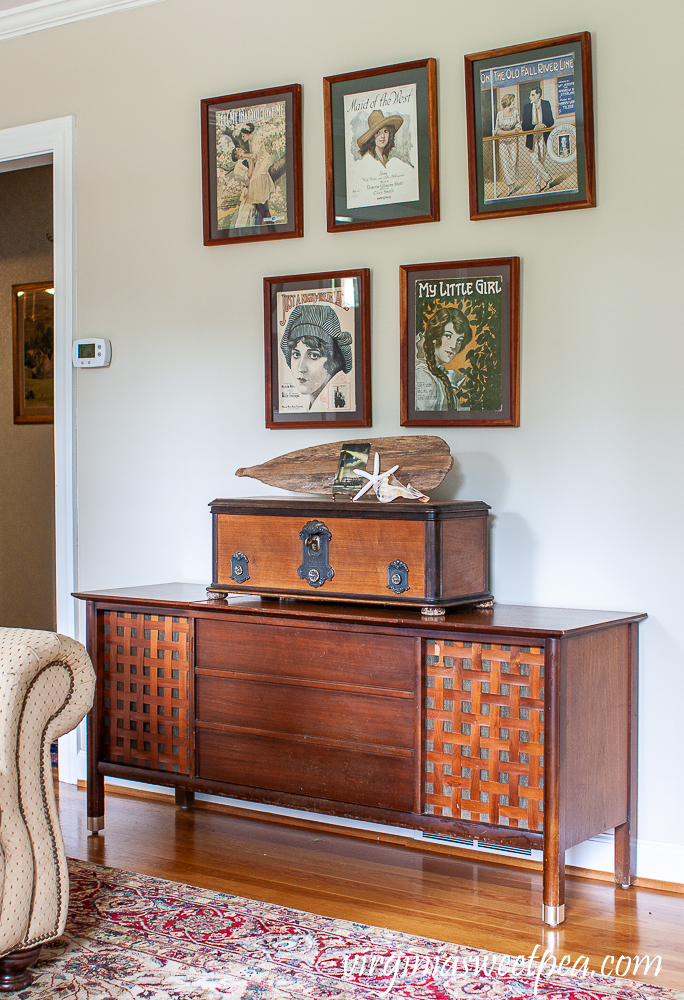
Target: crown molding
51, 13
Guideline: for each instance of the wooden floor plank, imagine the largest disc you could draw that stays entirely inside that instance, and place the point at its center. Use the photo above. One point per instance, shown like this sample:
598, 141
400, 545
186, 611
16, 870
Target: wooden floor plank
484, 905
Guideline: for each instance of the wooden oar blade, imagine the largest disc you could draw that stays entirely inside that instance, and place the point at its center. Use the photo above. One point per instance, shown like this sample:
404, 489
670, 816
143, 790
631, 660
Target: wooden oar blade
423, 460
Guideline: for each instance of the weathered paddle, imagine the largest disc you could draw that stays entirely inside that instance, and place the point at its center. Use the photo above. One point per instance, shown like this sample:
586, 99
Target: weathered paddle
423, 459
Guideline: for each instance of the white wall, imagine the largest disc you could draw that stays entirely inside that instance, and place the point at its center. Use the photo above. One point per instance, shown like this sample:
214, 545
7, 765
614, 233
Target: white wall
586, 493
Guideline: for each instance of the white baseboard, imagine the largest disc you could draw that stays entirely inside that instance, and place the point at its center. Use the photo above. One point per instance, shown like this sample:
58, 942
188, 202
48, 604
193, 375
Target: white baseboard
72, 757
664, 862
655, 860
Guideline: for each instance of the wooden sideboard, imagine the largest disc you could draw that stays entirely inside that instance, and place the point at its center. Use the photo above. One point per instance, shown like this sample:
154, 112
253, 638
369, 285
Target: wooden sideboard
512, 725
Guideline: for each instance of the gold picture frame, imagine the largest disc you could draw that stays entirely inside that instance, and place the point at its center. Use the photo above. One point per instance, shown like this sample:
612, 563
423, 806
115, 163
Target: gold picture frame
34, 341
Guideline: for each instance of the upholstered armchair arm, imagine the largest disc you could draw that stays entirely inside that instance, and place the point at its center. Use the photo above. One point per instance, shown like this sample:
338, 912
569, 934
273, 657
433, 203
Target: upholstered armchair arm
46, 687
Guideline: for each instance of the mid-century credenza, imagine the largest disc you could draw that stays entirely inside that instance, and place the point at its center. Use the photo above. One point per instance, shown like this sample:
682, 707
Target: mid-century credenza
513, 725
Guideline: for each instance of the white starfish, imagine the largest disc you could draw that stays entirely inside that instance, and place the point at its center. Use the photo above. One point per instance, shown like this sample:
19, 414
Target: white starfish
375, 477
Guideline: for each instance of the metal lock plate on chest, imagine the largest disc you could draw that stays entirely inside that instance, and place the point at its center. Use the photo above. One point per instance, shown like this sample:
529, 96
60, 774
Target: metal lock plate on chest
315, 568
397, 577
239, 567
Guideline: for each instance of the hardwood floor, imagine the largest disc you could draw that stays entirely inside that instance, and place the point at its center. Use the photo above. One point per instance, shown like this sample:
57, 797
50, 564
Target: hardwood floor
485, 905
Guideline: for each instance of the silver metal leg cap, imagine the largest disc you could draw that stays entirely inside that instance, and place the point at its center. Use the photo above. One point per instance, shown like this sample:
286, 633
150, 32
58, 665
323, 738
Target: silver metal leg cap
553, 915
95, 823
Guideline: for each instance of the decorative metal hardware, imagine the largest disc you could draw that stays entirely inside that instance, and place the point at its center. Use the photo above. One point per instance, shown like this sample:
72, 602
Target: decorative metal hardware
239, 570
315, 568
397, 577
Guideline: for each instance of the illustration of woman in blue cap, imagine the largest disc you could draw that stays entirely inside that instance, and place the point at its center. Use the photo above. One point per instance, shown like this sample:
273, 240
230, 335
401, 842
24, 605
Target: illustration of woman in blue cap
315, 348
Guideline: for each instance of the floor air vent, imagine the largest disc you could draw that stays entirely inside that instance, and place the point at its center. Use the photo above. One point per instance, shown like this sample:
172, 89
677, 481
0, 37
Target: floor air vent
479, 845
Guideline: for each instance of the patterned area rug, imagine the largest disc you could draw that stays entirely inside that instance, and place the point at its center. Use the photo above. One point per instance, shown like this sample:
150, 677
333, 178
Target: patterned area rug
132, 936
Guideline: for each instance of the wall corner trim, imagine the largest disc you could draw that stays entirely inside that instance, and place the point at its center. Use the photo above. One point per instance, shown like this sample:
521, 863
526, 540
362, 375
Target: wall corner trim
51, 13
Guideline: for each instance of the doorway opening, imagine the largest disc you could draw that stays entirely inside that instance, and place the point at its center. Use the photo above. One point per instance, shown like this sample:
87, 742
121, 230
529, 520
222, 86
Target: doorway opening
27, 469
54, 139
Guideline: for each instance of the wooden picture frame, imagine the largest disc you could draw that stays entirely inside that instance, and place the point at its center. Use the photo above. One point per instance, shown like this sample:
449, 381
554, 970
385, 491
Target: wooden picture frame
325, 380
33, 335
370, 182
530, 117
252, 166
460, 343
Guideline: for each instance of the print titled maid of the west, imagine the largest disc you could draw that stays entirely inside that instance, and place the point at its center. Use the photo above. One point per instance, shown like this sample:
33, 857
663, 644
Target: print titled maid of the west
458, 344
381, 141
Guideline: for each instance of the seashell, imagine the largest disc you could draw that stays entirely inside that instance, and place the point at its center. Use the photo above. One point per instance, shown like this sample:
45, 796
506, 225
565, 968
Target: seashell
391, 489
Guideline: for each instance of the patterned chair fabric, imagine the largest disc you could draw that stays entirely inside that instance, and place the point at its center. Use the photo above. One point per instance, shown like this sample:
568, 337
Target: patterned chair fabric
47, 684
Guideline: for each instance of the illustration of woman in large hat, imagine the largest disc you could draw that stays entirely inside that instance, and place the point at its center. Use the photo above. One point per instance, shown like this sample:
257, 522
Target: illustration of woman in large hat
377, 172
378, 140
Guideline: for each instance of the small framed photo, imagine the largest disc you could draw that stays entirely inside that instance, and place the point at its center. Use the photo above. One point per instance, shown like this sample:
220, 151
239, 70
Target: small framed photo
252, 166
460, 362
317, 347
33, 323
381, 146
531, 128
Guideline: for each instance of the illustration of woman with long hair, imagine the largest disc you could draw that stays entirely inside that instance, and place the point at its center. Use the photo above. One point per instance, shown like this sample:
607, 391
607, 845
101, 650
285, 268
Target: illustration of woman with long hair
447, 332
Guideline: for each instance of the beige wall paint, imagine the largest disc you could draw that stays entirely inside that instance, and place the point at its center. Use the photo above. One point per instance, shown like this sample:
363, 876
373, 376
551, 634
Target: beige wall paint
27, 482
586, 494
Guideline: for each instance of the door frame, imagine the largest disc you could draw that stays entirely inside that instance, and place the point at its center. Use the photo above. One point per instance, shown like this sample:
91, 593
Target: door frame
56, 136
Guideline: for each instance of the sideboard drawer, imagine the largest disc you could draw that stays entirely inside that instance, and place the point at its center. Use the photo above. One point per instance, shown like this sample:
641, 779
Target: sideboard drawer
324, 713
338, 773
387, 661
275, 707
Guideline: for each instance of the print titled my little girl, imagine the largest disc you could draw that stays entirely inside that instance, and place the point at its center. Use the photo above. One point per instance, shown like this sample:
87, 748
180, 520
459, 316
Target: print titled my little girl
458, 344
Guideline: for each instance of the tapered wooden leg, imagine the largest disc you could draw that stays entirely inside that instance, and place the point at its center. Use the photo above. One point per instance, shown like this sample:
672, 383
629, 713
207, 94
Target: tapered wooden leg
626, 834
553, 897
625, 856
185, 798
553, 906
14, 969
95, 798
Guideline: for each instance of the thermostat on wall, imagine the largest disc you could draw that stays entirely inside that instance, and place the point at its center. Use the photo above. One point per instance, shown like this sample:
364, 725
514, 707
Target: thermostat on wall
93, 352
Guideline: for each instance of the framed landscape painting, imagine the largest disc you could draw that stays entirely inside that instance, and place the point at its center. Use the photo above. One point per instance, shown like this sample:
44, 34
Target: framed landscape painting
317, 348
381, 146
460, 343
33, 311
252, 166
531, 128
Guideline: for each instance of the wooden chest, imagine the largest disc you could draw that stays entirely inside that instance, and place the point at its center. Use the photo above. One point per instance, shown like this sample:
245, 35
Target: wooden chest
433, 554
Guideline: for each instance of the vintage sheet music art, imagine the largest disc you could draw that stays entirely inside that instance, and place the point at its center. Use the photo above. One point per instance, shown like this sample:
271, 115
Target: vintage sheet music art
251, 152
